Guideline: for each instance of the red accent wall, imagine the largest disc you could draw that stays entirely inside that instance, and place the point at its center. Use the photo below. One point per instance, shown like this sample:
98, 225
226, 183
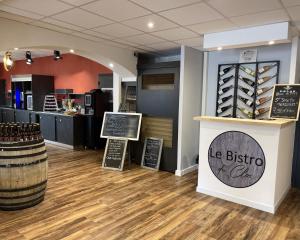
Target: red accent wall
73, 71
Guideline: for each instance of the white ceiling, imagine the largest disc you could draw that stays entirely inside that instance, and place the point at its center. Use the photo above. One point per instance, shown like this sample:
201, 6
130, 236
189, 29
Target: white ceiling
123, 23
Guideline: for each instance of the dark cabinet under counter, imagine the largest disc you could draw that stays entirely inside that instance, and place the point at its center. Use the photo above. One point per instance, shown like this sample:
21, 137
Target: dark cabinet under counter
8, 115
48, 126
22, 115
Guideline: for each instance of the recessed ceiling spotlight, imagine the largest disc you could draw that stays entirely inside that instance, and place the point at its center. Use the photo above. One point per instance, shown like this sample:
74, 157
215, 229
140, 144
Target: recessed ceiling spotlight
219, 48
29, 60
150, 25
72, 51
57, 55
271, 42
16, 48
111, 65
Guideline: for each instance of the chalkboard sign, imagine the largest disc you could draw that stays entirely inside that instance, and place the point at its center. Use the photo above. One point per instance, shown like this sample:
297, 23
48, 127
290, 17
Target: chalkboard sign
152, 153
285, 102
122, 125
114, 154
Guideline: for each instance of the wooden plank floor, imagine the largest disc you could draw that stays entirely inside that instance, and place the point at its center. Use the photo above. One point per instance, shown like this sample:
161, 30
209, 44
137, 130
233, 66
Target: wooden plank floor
84, 201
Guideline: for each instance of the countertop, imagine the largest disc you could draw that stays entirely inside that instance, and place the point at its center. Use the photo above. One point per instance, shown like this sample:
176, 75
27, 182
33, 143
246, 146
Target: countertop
274, 122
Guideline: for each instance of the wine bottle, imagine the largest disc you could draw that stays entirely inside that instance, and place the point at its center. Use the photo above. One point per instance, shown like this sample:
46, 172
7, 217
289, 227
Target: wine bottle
246, 101
260, 111
224, 90
265, 79
266, 68
226, 70
247, 81
224, 99
223, 109
246, 112
247, 91
248, 71
225, 80
263, 100
263, 90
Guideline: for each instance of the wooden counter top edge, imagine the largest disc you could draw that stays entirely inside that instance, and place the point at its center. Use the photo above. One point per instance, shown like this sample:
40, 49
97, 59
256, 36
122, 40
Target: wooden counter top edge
276, 122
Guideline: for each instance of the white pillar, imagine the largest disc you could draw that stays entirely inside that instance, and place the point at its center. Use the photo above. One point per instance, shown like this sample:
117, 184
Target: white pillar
116, 91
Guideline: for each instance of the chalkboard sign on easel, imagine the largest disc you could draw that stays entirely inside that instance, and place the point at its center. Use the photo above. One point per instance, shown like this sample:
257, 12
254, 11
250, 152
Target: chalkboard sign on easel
285, 102
114, 154
122, 125
152, 153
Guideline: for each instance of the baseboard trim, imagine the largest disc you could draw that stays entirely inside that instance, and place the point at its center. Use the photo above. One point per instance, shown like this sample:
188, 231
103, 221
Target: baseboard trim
180, 173
62, 145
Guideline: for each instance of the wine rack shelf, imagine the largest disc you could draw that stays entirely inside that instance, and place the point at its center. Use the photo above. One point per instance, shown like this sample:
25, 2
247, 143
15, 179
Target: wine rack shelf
244, 90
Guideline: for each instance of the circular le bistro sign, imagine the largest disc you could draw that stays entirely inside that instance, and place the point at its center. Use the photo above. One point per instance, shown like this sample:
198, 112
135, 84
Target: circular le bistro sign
236, 159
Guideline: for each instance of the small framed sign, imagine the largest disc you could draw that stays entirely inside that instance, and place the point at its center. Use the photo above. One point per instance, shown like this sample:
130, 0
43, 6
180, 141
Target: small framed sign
152, 153
285, 102
248, 55
115, 152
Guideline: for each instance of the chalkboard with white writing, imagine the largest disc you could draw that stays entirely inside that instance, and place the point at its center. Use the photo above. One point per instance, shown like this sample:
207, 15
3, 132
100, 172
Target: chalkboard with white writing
152, 153
285, 102
114, 154
122, 125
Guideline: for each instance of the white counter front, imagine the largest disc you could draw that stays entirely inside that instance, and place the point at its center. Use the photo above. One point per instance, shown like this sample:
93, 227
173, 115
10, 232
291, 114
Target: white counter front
246, 161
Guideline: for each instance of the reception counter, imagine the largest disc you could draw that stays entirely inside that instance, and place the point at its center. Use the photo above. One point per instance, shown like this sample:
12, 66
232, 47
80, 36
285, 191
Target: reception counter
246, 161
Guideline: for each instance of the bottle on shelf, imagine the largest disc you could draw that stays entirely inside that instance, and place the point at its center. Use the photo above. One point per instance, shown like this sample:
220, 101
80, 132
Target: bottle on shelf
262, 100
224, 90
265, 79
263, 90
246, 101
248, 71
223, 109
248, 81
246, 91
261, 111
224, 99
246, 112
225, 80
266, 68
226, 70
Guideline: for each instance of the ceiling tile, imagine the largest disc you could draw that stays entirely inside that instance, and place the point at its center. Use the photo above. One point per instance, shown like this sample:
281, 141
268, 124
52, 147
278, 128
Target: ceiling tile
164, 45
289, 3
261, 18
192, 42
231, 8
196, 13
122, 41
77, 2
62, 24
117, 30
159, 22
97, 34
20, 12
44, 8
175, 34
117, 10
82, 18
15, 17
144, 39
212, 26
294, 13
51, 27
159, 5
86, 36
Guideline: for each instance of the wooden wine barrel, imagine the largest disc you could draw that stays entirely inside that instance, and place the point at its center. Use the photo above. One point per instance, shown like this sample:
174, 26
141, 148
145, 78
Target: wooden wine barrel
23, 174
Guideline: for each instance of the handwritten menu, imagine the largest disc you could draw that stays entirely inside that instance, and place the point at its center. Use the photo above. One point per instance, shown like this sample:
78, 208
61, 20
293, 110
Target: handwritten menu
114, 155
152, 153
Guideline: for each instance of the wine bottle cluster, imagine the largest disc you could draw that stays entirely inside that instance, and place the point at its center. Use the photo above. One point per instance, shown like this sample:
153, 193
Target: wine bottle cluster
19, 132
246, 89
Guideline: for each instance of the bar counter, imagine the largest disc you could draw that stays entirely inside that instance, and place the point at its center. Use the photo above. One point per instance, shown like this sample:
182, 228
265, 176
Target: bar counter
246, 161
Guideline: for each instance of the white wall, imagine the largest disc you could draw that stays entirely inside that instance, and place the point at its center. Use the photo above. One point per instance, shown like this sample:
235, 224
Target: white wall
281, 52
295, 61
117, 94
191, 65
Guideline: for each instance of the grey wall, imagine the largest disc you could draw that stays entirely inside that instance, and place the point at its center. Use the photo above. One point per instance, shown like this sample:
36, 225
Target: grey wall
281, 52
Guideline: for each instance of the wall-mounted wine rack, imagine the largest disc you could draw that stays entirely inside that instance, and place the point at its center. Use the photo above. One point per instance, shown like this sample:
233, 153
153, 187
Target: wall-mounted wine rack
244, 90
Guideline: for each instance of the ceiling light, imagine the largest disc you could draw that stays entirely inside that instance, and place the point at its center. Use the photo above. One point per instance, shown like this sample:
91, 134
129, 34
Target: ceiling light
219, 48
16, 48
7, 61
111, 65
29, 60
271, 42
150, 25
57, 55
72, 51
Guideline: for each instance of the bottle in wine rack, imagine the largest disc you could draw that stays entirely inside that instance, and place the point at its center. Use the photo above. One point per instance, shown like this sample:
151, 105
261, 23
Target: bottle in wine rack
260, 111
248, 71
266, 68
246, 112
246, 101
263, 90
263, 100
248, 81
223, 109
265, 79
247, 91
224, 90
225, 80
224, 99
226, 70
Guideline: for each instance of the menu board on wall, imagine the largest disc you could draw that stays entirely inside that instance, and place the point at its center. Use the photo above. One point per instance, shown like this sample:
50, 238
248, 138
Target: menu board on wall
152, 153
121, 125
285, 102
114, 154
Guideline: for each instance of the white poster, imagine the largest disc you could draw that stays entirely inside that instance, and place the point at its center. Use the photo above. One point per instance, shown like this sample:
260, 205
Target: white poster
248, 55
